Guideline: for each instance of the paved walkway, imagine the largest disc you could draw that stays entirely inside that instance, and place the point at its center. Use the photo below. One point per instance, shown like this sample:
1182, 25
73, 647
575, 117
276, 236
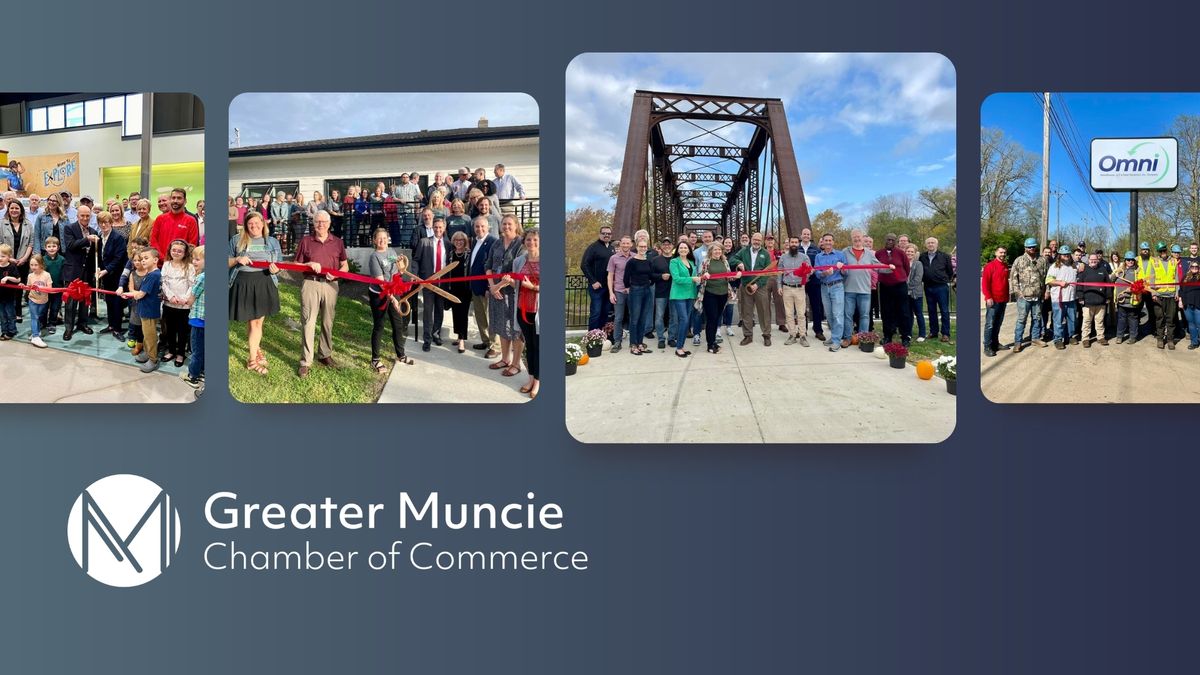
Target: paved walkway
1128, 373
33, 375
442, 375
755, 394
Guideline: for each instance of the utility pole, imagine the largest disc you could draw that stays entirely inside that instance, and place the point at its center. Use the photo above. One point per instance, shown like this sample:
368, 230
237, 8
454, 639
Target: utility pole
1058, 214
1045, 167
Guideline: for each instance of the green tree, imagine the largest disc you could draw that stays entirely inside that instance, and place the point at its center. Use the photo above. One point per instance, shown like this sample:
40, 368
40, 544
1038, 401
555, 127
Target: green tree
1006, 181
582, 226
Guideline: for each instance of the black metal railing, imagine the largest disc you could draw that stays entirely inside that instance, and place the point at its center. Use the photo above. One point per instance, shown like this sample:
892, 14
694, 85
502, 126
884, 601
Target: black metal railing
578, 302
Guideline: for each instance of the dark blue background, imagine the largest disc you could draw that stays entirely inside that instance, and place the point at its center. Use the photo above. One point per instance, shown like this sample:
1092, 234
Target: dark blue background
1045, 539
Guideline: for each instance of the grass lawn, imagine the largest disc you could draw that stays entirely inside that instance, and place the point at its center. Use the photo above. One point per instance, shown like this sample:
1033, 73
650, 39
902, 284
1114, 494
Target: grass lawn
932, 348
352, 382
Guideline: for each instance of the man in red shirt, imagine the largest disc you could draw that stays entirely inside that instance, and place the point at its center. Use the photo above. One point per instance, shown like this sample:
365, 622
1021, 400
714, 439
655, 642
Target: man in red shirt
995, 295
893, 290
176, 223
322, 252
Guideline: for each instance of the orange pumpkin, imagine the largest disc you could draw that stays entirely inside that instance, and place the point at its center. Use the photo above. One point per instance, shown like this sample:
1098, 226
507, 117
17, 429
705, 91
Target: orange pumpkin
583, 360
853, 339
925, 370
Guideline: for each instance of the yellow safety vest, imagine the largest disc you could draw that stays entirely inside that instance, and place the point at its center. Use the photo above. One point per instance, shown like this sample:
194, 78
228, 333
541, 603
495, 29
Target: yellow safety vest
1164, 273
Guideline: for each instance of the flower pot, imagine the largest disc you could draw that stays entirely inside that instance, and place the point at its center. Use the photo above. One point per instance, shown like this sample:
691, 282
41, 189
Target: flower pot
571, 368
594, 351
952, 387
897, 361
867, 346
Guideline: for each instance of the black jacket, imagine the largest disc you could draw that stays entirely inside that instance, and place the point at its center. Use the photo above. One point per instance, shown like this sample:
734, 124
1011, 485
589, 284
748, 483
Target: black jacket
1093, 296
76, 247
595, 262
937, 268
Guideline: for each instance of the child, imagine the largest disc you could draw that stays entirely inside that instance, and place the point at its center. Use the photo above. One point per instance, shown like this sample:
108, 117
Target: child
149, 306
38, 300
9, 274
53, 262
132, 280
177, 279
194, 375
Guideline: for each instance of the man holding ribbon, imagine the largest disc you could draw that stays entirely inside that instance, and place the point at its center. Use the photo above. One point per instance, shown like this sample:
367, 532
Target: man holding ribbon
796, 268
833, 291
753, 297
1163, 279
78, 241
321, 251
431, 256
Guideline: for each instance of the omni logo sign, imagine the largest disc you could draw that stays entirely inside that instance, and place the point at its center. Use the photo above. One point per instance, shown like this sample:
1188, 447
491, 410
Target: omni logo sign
123, 530
1144, 164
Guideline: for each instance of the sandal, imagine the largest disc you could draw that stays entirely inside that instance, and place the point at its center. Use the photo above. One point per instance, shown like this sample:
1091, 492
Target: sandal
378, 366
500, 365
510, 371
261, 359
526, 389
256, 367
404, 359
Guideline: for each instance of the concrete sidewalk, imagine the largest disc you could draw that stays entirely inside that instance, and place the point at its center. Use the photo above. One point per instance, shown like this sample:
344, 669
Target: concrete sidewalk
1127, 373
755, 394
442, 375
33, 375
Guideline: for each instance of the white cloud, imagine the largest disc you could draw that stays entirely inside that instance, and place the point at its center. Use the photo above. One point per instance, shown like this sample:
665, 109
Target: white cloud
928, 168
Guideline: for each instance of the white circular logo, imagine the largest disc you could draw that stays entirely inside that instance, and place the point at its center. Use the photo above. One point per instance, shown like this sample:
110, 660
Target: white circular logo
123, 530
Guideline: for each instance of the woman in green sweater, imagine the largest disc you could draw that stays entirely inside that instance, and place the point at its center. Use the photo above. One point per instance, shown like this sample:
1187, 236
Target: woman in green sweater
716, 294
684, 278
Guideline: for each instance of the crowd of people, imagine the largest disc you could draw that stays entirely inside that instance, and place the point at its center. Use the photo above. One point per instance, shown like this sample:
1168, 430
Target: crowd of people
153, 270
1070, 296
505, 307
399, 208
690, 286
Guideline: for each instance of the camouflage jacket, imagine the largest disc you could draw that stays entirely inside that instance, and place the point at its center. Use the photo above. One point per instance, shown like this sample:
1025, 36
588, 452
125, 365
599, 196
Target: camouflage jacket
1028, 277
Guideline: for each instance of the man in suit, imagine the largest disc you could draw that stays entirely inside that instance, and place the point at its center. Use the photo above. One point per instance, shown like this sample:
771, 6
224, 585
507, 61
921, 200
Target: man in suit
431, 255
938, 275
813, 288
753, 296
423, 230
112, 254
481, 251
78, 241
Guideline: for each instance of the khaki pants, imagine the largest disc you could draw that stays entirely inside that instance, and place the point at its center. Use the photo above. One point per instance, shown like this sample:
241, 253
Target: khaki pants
150, 338
317, 299
479, 304
1089, 314
749, 303
795, 301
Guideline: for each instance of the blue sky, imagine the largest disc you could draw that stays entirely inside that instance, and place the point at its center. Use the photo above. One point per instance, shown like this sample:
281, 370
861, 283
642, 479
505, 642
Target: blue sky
862, 125
1019, 115
282, 118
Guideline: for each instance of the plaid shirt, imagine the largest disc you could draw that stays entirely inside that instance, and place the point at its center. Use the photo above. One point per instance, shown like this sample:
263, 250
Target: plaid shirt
198, 293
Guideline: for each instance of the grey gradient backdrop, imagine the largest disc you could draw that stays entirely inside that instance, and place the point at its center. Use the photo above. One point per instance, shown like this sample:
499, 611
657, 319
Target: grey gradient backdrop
1039, 539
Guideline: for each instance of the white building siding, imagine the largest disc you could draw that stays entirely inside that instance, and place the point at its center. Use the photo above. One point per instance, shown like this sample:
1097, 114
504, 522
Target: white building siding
312, 169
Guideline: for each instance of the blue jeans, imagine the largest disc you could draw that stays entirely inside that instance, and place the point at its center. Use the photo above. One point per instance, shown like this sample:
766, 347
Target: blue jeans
916, 310
37, 318
660, 309
681, 316
1193, 321
937, 296
833, 302
8, 317
196, 365
991, 324
599, 308
861, 301
619, 318
1063, 311
727, 315
1025, 308
641, 304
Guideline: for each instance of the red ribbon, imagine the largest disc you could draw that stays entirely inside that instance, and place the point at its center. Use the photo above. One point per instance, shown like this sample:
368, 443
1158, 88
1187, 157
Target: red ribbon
802, 271
78, 290
301, 267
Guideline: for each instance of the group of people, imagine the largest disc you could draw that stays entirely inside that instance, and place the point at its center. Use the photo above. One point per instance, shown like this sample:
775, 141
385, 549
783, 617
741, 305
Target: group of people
153, 271
505, 307
1073, 297
692, 284
398, 208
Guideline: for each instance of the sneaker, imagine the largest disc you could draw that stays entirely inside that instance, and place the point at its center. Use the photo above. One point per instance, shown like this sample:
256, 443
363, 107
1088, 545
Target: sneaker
1193, 346
790, 341
143, 357
616, 348
827, 343
662, 344
149, 366
921, 339
803, 341
671, 342
1171, 345
834, 347
38, 342
729, 330
1059, 345
193, 382
696, 341
51, 330
989, 352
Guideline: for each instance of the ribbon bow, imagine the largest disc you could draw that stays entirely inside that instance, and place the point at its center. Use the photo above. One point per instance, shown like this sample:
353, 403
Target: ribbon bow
79, 291
1138, 287
394, 287
803, 270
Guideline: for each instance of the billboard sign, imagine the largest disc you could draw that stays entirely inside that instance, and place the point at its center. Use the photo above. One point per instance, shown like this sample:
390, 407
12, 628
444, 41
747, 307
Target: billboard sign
1129, 164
